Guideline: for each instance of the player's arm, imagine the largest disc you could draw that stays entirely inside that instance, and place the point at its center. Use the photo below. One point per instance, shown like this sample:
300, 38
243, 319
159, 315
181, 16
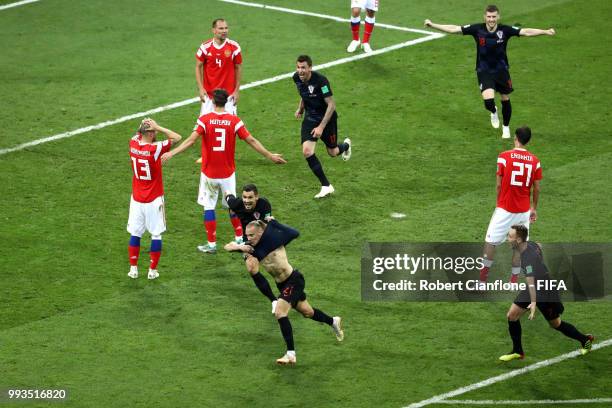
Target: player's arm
533, 32
447, 28
259, 148
331, 108
532, 296
237, 76
535, 196
234, 247
170, 134
181, 148
231, 200
498, 185
199, 75
300, 110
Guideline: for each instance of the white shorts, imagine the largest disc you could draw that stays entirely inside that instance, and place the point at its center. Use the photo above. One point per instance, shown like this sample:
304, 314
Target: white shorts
210, 188
209, 106
365, 4
147, 217
500, 224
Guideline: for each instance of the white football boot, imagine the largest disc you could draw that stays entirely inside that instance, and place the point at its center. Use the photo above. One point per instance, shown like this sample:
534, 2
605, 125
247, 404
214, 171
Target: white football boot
325, 191
153, 274
208, 249
495, 120
506, 132
353, 46
366, 48
346, 155
133, 273
287, 359
337, 326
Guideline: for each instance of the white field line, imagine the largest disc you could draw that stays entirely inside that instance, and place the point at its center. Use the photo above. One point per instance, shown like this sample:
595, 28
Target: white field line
101, 125
527, 402
440, 399
17, 4
325, 16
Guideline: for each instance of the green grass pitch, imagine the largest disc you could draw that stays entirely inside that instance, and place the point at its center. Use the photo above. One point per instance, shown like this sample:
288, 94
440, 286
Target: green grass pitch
202, 335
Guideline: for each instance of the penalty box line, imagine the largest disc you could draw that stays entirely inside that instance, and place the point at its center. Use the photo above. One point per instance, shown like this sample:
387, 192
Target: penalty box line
444, 398
430, 36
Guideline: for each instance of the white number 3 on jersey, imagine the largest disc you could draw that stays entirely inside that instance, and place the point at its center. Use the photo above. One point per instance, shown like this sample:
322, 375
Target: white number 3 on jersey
221, 139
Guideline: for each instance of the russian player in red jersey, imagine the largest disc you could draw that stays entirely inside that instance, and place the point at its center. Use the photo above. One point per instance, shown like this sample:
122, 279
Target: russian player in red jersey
147, 202
518, 174
218, 131
218, 66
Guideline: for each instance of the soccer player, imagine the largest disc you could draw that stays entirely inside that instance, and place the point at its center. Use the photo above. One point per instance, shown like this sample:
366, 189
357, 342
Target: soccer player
147, 202
491, 60
547, 301
357, 6
218, 66
251, 207
518, 174
320, 121
267, 243
218, 131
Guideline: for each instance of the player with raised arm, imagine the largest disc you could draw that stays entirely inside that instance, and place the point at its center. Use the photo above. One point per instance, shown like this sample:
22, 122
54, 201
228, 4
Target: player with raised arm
492, 68
357, 6
218, 131
267, 243
320, 120
251, 207
518, 190
546, 300
147, 202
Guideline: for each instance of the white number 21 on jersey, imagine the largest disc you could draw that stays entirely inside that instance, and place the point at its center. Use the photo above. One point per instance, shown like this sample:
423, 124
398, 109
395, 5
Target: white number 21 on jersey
144, 171
221, 139
520, 171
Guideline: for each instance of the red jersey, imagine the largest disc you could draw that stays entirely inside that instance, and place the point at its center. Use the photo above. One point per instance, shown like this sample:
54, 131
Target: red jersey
518, 169
147, 182
219, 65
218, 131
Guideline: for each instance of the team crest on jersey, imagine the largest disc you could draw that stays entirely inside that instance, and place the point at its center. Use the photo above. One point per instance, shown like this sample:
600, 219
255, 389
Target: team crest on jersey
228, 53
256, 215
310, 88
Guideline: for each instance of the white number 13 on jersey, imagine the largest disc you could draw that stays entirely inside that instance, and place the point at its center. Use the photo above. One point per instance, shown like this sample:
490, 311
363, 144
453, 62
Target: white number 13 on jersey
143, 172
520, 171
221, 139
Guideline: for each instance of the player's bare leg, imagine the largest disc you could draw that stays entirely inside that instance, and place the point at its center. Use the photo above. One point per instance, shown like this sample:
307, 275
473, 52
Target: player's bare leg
252, 265
488, 96
506, 114
319, 316
514, 328
282, 310
355, 25
370, 20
